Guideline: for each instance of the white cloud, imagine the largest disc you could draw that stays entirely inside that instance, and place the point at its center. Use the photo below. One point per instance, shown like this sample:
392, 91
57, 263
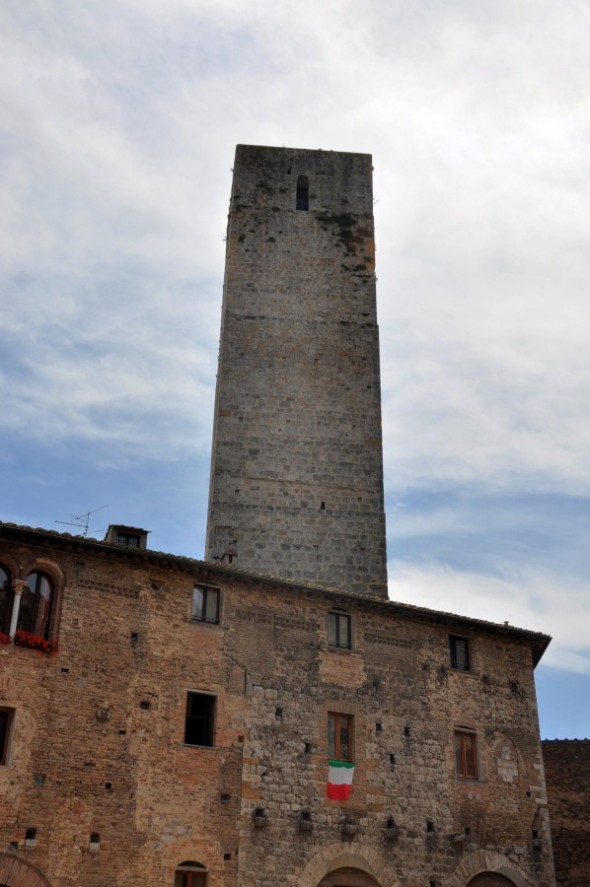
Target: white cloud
118, 130
528, 598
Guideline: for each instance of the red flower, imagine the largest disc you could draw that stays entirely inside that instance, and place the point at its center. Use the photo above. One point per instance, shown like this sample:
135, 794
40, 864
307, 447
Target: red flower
5, 638
28, 639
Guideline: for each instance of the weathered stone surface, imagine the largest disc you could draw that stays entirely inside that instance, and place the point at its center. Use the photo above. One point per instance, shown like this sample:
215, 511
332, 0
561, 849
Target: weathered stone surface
297, 475
129, 647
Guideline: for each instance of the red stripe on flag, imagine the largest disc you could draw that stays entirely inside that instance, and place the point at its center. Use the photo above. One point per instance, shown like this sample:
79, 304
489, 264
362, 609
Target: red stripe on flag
338, 792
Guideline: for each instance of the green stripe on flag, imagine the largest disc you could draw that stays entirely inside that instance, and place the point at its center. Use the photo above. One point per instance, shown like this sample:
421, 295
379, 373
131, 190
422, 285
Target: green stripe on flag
347, 765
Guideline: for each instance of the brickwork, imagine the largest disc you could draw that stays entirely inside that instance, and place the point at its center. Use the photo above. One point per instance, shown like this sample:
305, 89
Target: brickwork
567, 767
297, 475
98, 743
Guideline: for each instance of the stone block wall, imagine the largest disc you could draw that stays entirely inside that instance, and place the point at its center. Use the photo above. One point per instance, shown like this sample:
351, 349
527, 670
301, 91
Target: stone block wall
297, 474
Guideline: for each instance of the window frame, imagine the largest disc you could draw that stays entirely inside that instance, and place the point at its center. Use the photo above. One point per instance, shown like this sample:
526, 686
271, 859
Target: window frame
338, 618
209, 718
128, 540
207, 591
456, 640
196, 874
335, 750
6, 736
42, 626
8, 591
463, 755
302, 194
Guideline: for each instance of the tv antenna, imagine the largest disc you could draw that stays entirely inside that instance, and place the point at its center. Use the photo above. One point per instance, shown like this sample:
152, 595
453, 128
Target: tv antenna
82, 521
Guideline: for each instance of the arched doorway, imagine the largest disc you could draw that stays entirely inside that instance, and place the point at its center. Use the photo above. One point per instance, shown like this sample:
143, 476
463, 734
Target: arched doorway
490, 879
348, 877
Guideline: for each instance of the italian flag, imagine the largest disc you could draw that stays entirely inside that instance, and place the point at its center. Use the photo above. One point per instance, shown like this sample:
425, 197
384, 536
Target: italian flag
340, 780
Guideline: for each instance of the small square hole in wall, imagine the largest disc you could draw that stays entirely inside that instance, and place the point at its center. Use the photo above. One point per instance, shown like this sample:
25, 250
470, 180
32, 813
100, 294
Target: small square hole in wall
13, 845
31, 834
308, 748
429, 825
108, 786
227, 856
122, 732
279, 714
407, 731
392, 761
145, 705
378, 728
39, 778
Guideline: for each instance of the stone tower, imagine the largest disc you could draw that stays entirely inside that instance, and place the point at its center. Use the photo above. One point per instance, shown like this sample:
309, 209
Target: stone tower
297, 465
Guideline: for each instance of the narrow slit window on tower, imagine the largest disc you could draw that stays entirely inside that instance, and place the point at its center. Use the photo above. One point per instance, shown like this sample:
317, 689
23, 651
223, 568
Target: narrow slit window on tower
302, 201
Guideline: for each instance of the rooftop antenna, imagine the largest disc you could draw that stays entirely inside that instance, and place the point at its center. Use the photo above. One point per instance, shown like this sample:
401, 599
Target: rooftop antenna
82, 521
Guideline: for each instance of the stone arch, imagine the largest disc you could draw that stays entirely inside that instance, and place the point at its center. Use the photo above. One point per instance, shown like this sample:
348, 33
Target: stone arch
489, 863
14, 872
348, 878
335, 857
36, 564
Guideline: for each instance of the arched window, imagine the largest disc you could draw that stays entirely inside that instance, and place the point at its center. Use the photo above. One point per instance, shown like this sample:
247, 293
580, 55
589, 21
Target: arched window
302, 201
34, 614
190, 874
6, 600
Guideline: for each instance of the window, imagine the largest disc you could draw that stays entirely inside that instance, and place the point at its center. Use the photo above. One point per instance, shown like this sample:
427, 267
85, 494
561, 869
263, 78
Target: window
34, 614
459, 653
6, 715
340, 729
205, 604
200, 719
302, 201
131, 540
190, 874
339, 630
466, 754
6, 601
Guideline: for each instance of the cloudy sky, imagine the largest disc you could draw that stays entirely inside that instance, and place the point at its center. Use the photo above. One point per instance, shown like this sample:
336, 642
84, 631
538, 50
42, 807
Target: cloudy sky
118, 125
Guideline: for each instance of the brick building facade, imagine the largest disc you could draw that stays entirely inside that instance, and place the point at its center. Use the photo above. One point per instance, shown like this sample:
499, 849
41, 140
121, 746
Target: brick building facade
567, 767
192, 710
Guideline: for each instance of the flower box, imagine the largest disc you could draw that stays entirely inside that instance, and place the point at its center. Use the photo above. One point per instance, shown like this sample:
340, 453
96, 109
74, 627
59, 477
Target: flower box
28, 639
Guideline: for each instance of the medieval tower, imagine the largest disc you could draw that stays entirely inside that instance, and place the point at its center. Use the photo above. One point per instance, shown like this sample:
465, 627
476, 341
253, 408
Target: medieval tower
297, 468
